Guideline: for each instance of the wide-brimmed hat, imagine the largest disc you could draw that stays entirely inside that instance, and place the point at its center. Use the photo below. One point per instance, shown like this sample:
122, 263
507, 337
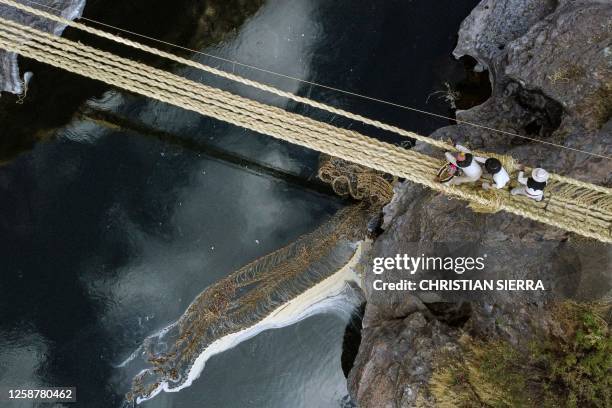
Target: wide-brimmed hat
539, 175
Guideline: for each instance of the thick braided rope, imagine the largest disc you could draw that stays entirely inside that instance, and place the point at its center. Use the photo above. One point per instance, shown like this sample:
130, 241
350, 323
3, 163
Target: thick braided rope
136, 68
226, 99
411, 165
266, 88
101, 72
472, 198
227, 75
137, 72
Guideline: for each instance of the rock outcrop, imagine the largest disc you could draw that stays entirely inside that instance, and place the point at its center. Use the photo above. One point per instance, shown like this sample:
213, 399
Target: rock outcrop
551, 70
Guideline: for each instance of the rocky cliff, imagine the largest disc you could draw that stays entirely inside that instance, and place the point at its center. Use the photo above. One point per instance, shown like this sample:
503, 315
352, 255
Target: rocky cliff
550, 66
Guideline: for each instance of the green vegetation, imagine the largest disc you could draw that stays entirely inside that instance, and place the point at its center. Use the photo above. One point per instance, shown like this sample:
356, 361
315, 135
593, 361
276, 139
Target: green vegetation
571, 369
582, 362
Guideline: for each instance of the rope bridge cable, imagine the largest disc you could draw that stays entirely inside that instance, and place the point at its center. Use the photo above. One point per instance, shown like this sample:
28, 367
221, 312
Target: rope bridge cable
584, 209
279, 92
276, 91
160, 71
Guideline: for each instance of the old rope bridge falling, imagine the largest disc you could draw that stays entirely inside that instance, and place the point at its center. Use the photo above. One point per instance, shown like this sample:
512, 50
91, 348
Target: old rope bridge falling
570, 204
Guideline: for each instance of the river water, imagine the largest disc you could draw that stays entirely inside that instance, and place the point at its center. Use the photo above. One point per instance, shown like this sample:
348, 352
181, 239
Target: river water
107, 234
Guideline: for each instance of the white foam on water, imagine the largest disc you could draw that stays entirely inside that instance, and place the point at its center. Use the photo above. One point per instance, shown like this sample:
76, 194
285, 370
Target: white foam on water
327, 295
159, 334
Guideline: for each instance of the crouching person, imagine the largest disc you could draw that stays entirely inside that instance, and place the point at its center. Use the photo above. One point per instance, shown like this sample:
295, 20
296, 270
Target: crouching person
464, 160
494, 167
532, 187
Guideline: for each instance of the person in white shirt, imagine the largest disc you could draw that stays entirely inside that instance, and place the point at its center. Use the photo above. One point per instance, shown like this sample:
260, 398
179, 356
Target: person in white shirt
495, 168
469, 167
532, 187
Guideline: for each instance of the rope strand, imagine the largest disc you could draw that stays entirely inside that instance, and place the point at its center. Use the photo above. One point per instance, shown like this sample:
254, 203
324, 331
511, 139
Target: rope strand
575, 206
273, 90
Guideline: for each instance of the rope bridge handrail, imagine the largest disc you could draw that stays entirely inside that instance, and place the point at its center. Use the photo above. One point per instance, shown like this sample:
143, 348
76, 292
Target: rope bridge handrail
575, 206
267, 88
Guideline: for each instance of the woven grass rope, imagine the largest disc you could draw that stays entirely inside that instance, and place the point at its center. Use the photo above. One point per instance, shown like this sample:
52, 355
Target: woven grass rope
570, 204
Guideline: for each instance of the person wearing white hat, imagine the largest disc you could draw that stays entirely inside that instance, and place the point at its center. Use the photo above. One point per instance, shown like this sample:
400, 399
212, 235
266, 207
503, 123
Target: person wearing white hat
495, 168
532, 187
464, 160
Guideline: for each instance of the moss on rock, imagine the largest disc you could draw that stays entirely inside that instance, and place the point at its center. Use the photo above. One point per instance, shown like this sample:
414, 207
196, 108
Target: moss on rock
571, 368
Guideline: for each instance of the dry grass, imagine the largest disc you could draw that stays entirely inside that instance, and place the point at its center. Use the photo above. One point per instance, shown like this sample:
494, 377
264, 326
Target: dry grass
449, 95
599, 106
566, 74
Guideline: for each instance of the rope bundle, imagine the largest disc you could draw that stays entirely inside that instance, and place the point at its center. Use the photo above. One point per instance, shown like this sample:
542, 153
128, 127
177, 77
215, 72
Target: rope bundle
358, 182
572, 205
246, 296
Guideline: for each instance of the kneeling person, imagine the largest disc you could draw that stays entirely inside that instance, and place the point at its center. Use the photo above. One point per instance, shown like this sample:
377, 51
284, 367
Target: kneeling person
532, 187
465, 161
495, 168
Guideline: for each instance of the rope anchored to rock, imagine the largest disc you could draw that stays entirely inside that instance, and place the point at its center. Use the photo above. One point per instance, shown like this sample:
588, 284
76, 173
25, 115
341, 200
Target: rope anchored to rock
570, 204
